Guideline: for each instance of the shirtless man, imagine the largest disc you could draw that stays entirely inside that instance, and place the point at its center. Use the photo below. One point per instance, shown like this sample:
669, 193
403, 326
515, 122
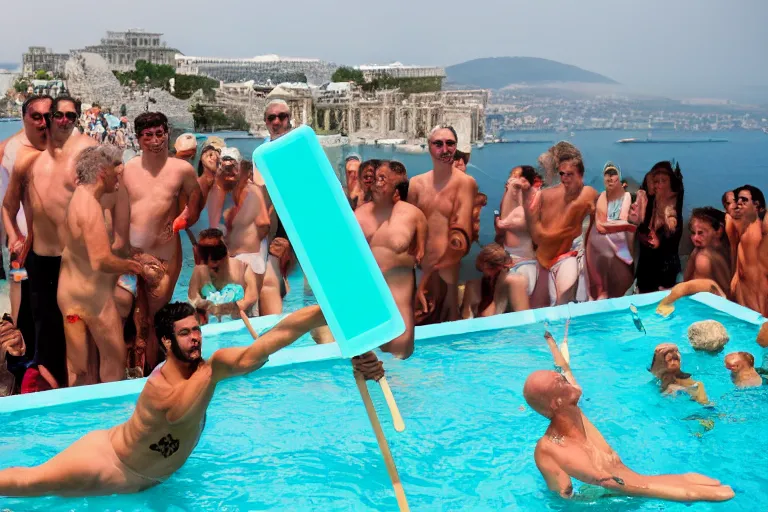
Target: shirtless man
710, 258
742, 368
396, 232
446, 196
555, 222
572, 447
750, 280
46, 182
248, 221
169, 417
351, 169
216, 272
89, 270
148, 219
511, 225
31, 140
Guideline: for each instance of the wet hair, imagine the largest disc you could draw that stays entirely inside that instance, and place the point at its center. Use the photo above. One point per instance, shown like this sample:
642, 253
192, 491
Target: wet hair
757, 195
29, 101
722, 199
398, 168
94, 159
59, 99
665, 166
528, 172
168, 316
492, 254
439, 127
149, 120
211, 233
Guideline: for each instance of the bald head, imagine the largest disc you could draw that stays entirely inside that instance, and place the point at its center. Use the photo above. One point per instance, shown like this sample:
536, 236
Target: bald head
547, 392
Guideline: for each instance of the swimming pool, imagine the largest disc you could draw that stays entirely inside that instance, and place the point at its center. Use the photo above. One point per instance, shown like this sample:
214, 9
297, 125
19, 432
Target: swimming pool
295, 436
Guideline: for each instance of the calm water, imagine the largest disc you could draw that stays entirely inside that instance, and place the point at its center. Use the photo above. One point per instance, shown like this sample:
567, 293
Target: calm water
299, 439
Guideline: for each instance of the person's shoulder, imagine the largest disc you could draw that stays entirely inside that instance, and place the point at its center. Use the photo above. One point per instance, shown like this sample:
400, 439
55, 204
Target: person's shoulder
590, 192
180, 166
80, 141
408, 209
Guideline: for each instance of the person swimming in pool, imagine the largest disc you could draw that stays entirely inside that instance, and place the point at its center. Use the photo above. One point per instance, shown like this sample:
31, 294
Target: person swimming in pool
169, 417
572, 447
666, 367
742, 368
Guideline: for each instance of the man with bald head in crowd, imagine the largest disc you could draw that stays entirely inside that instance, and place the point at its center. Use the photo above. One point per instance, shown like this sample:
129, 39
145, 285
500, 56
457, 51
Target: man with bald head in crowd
46, 182
556, 220
446, 196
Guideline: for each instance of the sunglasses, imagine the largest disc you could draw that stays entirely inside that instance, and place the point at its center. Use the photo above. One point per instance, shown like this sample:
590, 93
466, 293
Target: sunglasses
441, 143
71, 116
212, 252
159, 134
282, 116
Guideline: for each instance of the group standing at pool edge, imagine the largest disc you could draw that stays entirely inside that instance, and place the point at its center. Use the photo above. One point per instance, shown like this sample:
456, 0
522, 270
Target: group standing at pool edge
100, 243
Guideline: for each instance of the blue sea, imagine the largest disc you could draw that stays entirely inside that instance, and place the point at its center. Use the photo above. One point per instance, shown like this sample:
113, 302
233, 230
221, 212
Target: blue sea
709, 169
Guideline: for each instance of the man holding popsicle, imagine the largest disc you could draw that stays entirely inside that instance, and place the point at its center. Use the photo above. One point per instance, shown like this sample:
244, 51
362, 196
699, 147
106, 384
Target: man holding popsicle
169, 417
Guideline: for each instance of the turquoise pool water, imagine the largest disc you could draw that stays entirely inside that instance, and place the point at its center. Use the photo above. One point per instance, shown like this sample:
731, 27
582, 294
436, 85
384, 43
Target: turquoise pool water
297, 437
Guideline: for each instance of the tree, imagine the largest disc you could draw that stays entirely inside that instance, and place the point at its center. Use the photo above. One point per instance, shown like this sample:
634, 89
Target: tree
345, 74
200, 116
238, 122
42, 74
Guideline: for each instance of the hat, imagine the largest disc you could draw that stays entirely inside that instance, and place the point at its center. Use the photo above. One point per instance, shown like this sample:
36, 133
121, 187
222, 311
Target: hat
186, 143
216, 142
610, 166
232, 153
352, 156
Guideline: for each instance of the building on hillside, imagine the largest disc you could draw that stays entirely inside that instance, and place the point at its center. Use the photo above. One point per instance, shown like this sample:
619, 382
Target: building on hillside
121, 50
261, 69
41, 58
399, 70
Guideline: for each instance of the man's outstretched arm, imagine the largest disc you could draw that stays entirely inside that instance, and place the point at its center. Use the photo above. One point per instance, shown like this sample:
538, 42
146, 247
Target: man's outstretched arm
230, 362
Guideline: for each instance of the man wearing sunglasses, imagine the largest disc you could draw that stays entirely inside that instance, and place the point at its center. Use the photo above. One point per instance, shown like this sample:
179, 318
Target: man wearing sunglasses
750, 281
46, 183
446, 196
555, 221
148, 220
23, 146
220, 285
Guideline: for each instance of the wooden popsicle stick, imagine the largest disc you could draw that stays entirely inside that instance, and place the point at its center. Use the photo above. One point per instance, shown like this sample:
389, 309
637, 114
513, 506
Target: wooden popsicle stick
248, 325
402, 502
397, 419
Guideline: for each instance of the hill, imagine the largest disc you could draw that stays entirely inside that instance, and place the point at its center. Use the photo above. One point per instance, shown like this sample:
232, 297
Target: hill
499, 72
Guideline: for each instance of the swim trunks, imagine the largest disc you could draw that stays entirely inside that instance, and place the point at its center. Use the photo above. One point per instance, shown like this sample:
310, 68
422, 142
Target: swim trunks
256, 260
529, 269
128, 282
563, 274
50, 348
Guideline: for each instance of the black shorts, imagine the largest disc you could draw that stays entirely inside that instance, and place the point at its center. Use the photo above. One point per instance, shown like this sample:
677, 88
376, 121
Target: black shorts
50, 344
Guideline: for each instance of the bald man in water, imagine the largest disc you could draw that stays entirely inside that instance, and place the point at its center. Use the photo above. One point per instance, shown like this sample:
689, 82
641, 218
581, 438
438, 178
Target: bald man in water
573, 448
169, 417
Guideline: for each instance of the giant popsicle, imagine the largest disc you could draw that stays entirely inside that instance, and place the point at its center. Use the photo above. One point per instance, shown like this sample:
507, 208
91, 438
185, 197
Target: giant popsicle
328, 242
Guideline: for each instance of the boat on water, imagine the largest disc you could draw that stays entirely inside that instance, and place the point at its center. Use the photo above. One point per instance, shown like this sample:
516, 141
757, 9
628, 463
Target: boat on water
649, 140
480, 145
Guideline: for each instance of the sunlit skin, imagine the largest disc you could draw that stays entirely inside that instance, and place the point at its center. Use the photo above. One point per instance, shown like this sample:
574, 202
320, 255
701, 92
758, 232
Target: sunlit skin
703, 235
729, 202
742, 368
750, 280
277, 127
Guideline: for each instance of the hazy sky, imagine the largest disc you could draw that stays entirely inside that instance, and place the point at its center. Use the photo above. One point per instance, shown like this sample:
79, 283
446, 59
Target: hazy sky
693, 46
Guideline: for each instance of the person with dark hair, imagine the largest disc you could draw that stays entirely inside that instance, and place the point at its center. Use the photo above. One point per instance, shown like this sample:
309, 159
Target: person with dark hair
729, 202
460, 160
609, 251
573, 447
366, 177
169, 417
446, 196
149, 220
749, 246
556, 221
396, 232
512, 229
88, 270
220, 285
19, 150
661, 229
710, 258
499, 290
46, 183
666, 367
351, 171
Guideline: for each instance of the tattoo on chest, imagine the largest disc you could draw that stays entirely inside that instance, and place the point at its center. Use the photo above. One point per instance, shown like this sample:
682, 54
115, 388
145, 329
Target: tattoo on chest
166, 446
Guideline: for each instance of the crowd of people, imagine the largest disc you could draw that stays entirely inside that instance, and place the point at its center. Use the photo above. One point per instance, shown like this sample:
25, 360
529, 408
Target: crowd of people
95, 254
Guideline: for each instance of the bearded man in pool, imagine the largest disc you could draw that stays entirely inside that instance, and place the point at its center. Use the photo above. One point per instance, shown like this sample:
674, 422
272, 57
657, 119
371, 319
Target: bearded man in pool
572, 447
169, 417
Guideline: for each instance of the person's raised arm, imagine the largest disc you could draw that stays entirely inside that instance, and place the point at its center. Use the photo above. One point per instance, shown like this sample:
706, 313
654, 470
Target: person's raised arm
230, 362
90, 219
685, 289
560, 359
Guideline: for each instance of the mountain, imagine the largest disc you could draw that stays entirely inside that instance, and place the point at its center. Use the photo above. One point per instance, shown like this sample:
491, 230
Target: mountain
499, 72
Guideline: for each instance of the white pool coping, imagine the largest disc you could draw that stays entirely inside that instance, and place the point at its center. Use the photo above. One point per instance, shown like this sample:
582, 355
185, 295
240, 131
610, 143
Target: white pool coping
301, 355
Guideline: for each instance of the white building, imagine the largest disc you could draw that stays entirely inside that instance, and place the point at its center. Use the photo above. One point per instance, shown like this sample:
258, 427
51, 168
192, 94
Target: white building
399, 70
261, 69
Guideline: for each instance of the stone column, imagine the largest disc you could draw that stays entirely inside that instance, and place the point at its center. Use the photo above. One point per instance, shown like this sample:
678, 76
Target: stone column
327, 119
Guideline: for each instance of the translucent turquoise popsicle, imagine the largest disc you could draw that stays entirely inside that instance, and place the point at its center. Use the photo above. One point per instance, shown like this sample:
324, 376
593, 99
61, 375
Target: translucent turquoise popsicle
328, 242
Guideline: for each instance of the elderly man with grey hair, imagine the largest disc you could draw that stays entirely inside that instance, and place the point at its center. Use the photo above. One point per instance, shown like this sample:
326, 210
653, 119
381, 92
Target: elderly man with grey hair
89, 271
